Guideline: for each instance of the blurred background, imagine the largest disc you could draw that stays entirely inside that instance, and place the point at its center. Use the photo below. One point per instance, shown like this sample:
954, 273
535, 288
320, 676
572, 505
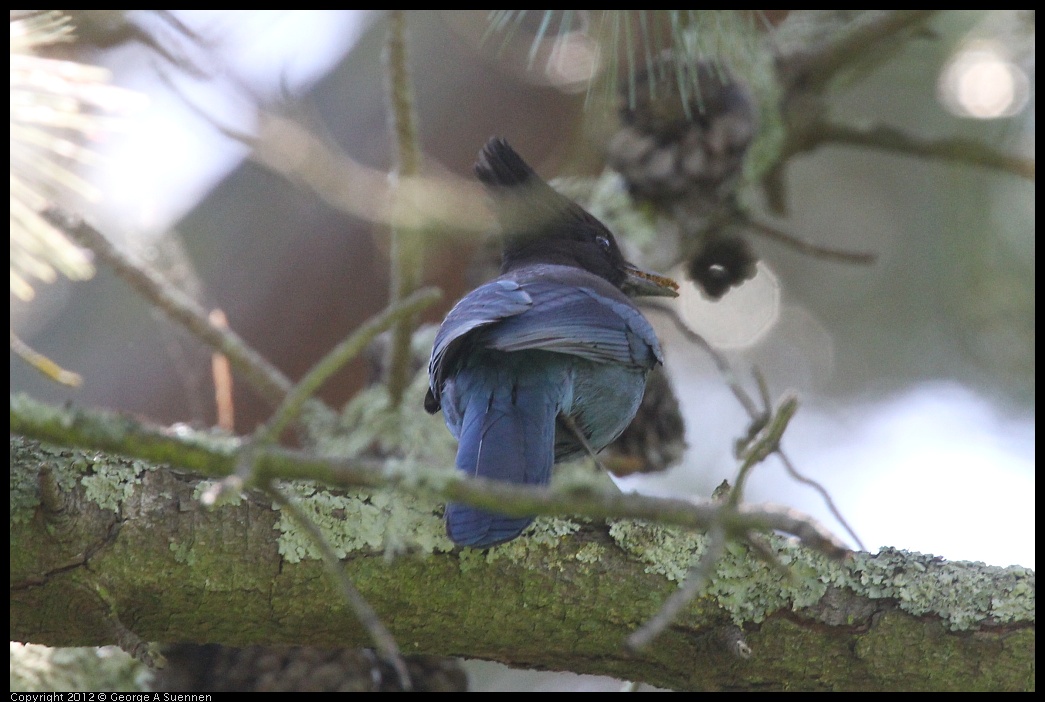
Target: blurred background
915, 374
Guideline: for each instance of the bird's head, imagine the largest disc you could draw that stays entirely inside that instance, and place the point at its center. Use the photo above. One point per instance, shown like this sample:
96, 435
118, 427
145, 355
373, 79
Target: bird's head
542, 226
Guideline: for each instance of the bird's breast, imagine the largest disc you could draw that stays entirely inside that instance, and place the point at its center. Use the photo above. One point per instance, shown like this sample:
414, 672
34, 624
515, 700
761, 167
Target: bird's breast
605, 399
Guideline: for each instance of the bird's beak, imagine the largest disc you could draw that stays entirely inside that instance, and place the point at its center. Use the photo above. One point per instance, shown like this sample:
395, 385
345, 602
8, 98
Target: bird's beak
639, 282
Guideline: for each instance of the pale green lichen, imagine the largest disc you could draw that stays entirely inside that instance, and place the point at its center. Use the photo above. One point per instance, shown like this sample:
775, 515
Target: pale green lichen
183, 553
964, 594
111, 483
591, 553
36, 668
743, 585
669, 552
24, 490
108, 481
534, 547
470, 559
1015, 602
750, 589
418, 450
353, 521
544, 535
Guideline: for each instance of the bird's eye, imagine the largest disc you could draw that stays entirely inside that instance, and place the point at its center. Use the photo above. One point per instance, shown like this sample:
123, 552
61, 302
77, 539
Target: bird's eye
603, 242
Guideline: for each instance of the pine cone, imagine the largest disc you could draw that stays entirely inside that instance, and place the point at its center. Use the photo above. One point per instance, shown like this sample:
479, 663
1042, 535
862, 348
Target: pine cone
723, 262
670, 152
685, 159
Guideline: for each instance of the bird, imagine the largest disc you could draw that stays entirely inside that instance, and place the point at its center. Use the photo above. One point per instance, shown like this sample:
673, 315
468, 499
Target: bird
548, 361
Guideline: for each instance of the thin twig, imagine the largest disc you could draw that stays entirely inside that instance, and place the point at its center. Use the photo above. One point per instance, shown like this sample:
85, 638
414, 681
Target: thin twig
802, 526
862, 258
262, 375
43, 364
757, 415
696, 579
824, 495
698, 575
338, 357
407, 243
290, 149
767, 443
957, 149
222, 373
442, 202
365, 613
217, 456
575, 429
132, 644
821, 64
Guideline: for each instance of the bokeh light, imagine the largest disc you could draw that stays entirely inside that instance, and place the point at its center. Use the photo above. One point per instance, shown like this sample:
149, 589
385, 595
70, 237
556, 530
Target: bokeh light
980, 82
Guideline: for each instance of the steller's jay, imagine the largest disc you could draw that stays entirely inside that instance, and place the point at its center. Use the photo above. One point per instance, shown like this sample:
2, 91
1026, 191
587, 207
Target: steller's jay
552, 347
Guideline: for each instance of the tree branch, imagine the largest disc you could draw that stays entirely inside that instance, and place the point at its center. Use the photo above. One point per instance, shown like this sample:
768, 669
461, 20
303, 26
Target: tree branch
816, 67
268, 380
242, 574
341, 354
862, 258
969, 151
407, 243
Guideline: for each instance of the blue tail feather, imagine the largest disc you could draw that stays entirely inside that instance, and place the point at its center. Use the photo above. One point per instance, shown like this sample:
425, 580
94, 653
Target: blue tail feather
507, 434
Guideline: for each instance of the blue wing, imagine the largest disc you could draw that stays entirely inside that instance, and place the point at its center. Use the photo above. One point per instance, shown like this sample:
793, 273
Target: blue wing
579, 321
551, 308
490, 303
